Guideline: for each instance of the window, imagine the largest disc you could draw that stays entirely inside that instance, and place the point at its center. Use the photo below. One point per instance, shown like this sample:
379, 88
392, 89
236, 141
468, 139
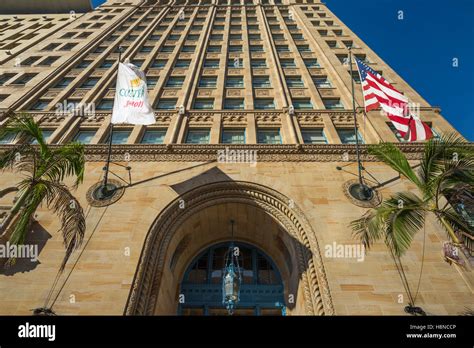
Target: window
188, 49
278, 37
261, 82
322, 82
64, 82
288, 63
294, 82
119, 137
68, 47
192, 37
208, 82
218, 27
348, 136
332, 44
50, 60
216, 37
106, 64
268, 136
259, 63
282, 48
235, 36
167, 49
235, 63
166, 104
311, 63
24, 79
234, 104
138, 62
146, 49
50, 47
234, 82
302, 104
304, 48
153, 136
204, 104
264, 104
355, 76
255, 37
151, 82
30, 60
39, 105
333, 104
46, 135
233, 136
313, 136
8, 138
5, 77
197, 136
159, 63
213, 49
349, 44
235, 48
182, 63
174, 37
297, 36
175, 82
105, 104
84, 136
256, 48
154, 37
210, 63
90, 82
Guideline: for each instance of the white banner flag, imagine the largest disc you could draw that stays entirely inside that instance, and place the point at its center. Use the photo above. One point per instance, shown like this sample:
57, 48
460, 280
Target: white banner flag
131, 97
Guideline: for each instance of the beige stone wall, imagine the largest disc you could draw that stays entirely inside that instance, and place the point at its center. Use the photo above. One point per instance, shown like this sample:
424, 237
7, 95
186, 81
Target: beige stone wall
102, 278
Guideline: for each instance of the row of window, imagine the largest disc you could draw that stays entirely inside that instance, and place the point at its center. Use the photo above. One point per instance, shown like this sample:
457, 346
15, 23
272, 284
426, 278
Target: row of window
202, 136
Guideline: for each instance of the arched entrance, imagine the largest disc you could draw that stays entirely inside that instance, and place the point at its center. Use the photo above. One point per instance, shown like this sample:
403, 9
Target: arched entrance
261, 291
264, 218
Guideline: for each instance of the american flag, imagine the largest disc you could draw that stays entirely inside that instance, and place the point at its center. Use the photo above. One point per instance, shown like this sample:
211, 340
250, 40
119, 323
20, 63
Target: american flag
378, 92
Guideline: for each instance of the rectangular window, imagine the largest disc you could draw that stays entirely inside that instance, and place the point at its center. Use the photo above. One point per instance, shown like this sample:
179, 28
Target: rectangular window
235, 36
197, 136
395, 131
235, 63
175, 82
153, 136
208, 82
50, 47
302, 104
322, 82
204, 104
192, 37
64, 82
167, 49
304, 48
332, 44
348, 136
288, 63
151, 82
255, 37
313, 136
50, 60
256, 48
90, 82
106, 64
213, 49
188, 49
333, 104
166, 104
311, 63
234, 82
68, 47
8, 138
235, 48
84, 136
264, 104
294, 82
159, 63
119, 137
210, 63
146, 49
29, 61
282, 48
5, 77
259, 63
268, 136
105, 104
216, 37
355, 76
40, 105
261, 82
233, 136
24, 79
182, 63
234, 104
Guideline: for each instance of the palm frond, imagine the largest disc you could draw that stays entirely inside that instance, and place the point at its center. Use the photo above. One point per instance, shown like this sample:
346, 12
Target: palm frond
391, 155
454, 220
73, 223
68, 160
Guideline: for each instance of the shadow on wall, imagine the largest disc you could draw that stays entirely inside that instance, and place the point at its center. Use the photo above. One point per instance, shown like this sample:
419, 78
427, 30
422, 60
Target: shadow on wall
34, 244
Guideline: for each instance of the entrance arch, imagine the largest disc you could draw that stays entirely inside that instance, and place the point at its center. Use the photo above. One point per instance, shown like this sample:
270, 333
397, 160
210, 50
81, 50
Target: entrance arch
165, 241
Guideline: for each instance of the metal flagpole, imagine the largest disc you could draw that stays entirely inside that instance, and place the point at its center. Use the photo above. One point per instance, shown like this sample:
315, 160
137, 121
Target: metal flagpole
107, 164
363, 191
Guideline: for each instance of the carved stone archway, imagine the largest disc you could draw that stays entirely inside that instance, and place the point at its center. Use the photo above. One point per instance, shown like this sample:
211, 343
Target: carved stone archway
147, 280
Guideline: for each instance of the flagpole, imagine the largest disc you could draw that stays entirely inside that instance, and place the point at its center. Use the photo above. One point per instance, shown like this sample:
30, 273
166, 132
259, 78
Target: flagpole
109, 153
363, 191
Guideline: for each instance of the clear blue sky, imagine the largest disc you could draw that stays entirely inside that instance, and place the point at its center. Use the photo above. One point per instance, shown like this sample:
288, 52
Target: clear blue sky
421, 47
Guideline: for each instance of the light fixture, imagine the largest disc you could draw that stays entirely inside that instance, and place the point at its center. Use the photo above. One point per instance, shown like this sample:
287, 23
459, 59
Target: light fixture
232, 276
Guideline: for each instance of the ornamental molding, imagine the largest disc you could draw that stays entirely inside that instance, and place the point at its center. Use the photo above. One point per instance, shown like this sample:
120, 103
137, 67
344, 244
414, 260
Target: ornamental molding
209, 152
148, 277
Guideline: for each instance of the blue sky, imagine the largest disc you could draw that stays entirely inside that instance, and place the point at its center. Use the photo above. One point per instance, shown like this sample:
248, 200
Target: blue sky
421, 47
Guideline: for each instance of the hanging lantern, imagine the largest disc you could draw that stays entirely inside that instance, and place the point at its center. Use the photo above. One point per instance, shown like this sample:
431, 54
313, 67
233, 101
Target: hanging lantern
232, 277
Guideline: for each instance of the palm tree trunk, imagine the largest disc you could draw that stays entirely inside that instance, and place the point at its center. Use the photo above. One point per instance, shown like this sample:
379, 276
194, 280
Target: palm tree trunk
450, 230
13, 211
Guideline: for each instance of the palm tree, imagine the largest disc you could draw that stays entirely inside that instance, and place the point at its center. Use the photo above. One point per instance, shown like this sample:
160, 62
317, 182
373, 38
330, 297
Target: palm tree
447, 164
44, 170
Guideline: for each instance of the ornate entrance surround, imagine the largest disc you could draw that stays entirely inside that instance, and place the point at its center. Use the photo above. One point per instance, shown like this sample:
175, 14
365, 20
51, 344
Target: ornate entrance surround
147, 279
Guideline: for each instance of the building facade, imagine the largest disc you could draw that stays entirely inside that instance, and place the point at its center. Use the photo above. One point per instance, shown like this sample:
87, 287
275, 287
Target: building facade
254, 124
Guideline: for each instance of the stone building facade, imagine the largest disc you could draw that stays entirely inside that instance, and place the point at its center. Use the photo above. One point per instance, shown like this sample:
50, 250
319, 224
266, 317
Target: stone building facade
266, 78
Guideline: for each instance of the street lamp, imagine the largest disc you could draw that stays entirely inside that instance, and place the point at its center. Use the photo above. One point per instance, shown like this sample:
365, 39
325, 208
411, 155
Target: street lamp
232, 277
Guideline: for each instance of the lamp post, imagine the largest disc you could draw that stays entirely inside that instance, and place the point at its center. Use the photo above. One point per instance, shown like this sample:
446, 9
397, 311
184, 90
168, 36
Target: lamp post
232, 276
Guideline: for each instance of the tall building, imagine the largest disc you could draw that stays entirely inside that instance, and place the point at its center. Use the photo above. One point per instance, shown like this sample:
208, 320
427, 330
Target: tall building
254, 124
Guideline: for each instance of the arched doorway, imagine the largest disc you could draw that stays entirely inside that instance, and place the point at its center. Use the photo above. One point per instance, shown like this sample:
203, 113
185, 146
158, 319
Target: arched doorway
173, 237
261, 291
